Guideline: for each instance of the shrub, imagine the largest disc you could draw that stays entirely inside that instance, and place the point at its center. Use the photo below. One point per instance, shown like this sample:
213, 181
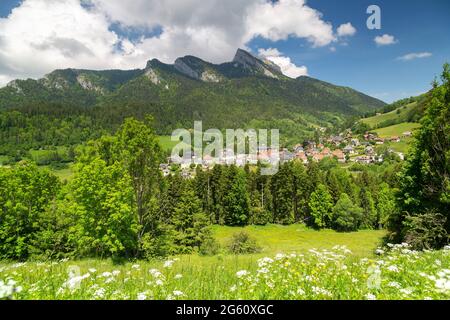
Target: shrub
157, 244
426, 231
346, 215
209, 247
260, 216
242, 243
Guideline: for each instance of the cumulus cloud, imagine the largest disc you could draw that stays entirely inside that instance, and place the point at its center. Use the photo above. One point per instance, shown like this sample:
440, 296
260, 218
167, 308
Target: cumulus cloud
42, 35
279, 20
287, 66
385, 40
415, 55
346, 30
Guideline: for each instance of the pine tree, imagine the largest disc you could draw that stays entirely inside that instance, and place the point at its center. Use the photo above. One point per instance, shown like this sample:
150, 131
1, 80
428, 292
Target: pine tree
369, 218
300, 190
236, 203
189, 222
282, 195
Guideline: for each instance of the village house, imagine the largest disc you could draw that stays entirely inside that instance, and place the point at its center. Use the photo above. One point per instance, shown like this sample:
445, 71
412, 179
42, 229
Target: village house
349, 150
364, 160
407, 134
286, 156
369, 150
326, 152
355, 142
339, 155
298, 148
302, 157
317, 157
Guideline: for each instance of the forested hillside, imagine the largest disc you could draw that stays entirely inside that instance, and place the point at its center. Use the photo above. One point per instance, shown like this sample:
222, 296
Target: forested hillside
70, 106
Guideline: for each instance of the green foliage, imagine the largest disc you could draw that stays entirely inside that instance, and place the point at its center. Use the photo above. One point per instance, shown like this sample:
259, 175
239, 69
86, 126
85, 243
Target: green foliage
426, 231
25, 193
157, 243
282, 195
320, 205
190, 223
346, 215
209, 247
260, 216
425, 182
367, 204
54, 238
243, 243
386, 204
235, 200
106, 221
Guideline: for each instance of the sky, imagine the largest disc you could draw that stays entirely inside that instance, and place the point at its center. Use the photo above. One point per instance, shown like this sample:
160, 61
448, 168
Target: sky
325, 39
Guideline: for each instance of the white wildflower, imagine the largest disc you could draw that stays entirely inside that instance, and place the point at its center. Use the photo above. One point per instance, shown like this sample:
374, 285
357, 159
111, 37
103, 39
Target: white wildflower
370, 296
142, 296
100, 293
393, 268
168, 264
242, 273
178, 293
394, 284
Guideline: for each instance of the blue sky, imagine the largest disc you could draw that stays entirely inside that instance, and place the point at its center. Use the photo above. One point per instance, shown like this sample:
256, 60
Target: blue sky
420, 28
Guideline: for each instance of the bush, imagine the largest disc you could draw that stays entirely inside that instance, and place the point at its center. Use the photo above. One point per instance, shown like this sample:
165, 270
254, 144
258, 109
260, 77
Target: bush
426, 231
209, 247
157, 244
242, 243
260, 216
346, 215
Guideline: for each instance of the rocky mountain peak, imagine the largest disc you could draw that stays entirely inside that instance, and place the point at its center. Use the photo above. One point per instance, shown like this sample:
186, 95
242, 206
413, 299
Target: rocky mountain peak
255, 65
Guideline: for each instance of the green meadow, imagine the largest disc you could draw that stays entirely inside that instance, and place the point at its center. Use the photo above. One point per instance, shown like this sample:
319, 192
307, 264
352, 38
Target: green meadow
295, 263
400, 113
397, 130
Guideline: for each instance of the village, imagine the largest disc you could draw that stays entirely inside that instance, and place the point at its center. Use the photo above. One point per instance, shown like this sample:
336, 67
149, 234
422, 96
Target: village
345, 147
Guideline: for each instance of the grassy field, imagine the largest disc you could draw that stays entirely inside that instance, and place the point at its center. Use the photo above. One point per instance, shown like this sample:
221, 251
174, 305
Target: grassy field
334, 273
400, 115
397, 130
65, 174
166, 143
298, 238
402, 146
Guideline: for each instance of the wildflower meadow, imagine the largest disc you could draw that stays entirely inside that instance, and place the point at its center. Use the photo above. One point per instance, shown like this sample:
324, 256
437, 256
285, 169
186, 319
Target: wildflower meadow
394, 272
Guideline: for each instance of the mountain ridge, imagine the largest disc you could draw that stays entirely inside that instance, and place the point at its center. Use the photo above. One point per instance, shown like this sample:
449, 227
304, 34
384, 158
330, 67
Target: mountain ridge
245, 91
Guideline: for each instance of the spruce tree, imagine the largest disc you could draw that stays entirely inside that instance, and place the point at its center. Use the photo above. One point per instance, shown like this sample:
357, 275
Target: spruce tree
425, 180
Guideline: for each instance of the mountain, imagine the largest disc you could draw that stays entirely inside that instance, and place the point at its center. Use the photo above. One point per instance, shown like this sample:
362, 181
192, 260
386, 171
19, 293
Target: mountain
246, 91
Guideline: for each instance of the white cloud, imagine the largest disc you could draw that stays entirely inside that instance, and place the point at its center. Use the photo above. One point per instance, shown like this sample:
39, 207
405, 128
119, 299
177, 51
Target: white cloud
278, 21
415, 55
385, 40
346, 30
42, 35
287, 66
